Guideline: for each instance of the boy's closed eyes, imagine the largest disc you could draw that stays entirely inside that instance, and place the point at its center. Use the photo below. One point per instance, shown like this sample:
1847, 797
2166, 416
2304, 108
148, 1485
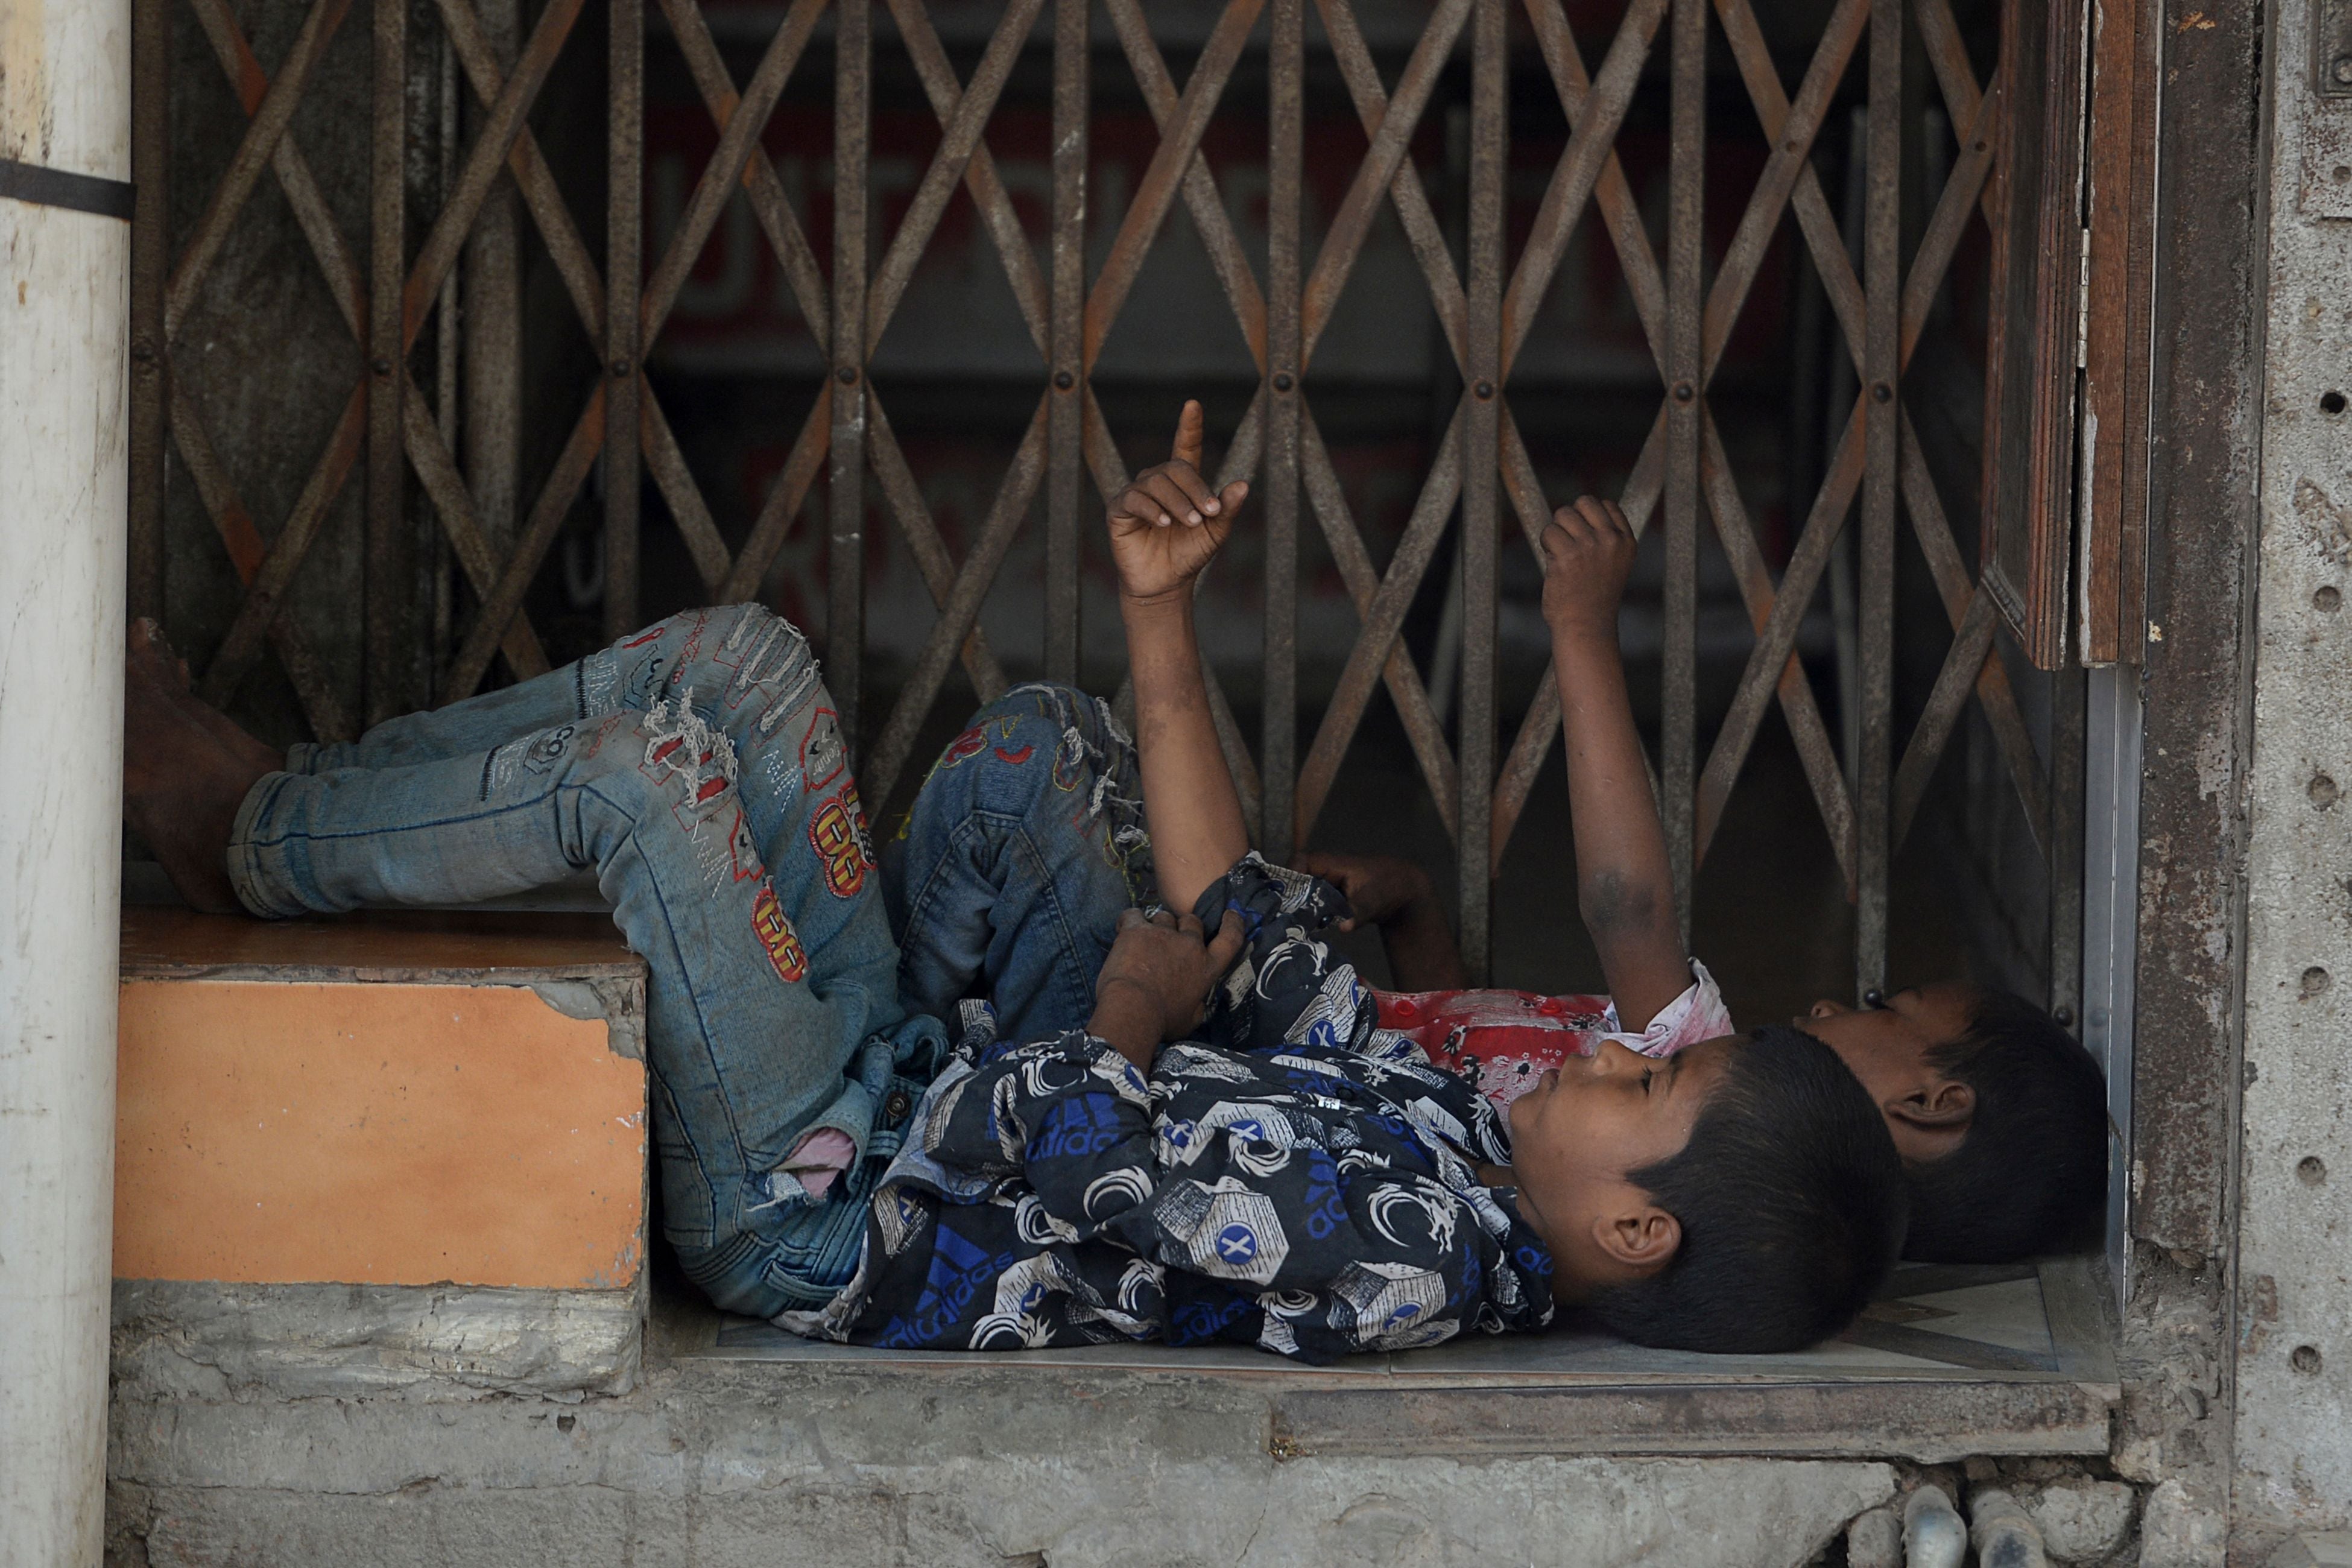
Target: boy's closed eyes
1579, 1133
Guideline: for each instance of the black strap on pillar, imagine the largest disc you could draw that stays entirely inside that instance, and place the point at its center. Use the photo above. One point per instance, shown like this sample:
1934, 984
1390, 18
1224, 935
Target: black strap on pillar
55, 188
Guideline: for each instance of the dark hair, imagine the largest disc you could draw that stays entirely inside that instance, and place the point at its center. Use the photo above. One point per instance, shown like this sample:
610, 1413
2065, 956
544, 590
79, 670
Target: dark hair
2031, 1176
1792, 1205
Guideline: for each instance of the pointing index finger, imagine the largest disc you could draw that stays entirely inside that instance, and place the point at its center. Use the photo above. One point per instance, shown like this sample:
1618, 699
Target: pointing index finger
1187, 449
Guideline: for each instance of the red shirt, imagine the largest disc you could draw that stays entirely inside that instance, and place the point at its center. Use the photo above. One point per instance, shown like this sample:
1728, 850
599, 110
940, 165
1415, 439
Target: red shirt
1503, 1041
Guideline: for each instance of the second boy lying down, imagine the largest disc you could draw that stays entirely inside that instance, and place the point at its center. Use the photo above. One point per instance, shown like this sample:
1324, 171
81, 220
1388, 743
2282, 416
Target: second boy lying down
2000, 1115
1185, 1126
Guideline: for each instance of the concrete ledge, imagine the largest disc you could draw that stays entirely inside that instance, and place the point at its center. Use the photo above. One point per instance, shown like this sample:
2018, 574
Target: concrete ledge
718, 1463
1931, 1422
176, 1340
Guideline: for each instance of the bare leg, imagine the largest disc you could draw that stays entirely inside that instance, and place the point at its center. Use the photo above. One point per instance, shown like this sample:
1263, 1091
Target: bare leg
182, 777
149, 651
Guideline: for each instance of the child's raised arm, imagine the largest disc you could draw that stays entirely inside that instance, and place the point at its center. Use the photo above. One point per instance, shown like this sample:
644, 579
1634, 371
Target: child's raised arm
1624, 887
1164, 528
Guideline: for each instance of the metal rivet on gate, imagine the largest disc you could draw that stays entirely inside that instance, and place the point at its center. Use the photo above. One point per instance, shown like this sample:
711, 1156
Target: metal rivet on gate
1281, 381
2342, 70
2062, 1017
1064, 380
2322, 791
1485, 389
2315, 980
2304, 1360
2311, 1170
620, 368
2330, 599
1685, 392
2332, 403
381, 366
845, 374
2341, 172
1881, 392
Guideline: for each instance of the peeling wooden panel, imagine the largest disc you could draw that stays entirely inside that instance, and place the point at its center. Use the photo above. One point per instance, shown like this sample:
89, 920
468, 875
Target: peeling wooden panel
2031, 359
276, 1133
2120, 186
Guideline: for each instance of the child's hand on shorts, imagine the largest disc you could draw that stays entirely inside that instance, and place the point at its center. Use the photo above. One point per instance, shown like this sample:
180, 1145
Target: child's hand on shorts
1155, 985
1588, 554
1168, 523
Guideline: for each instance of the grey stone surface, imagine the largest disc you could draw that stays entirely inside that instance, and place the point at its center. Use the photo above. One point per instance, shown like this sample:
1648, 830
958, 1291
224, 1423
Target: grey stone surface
2331, 1550
1875, 1539
2293, 1428
2080, 1521
2179, 1530
717, 1464
179, 1340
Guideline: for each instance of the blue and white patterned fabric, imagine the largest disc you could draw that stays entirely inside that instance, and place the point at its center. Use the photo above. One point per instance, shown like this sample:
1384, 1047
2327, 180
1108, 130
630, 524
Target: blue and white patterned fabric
1296, 1179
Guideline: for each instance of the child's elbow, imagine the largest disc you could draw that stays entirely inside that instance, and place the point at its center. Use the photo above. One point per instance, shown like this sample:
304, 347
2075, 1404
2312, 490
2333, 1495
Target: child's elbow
1613, 904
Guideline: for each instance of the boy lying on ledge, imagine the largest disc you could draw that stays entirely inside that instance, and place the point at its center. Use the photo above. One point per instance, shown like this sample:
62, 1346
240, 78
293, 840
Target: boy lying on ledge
1998, 1114
1182, 1126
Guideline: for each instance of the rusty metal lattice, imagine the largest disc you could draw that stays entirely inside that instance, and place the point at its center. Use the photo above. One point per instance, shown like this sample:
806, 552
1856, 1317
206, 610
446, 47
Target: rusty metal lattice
1487, 309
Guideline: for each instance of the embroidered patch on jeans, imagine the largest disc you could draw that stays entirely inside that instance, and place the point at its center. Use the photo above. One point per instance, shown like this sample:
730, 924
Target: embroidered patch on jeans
725, 857
776, 934
548, 749
823, 755
837, 833
962, 749
596, 684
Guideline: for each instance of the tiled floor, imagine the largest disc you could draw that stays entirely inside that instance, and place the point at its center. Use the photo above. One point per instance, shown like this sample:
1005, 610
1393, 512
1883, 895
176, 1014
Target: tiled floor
2006, 1323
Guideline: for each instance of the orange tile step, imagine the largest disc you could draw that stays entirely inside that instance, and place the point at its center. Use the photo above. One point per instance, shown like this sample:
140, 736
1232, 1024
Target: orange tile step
385, 1099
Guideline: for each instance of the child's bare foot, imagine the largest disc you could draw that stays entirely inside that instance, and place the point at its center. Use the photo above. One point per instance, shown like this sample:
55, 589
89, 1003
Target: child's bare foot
181, 784
152, 653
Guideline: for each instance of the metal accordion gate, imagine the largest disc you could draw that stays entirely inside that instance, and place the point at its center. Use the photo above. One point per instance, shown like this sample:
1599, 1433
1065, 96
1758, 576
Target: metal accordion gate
394, 421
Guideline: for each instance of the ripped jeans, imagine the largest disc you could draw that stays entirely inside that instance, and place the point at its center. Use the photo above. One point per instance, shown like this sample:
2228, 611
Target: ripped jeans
698, 767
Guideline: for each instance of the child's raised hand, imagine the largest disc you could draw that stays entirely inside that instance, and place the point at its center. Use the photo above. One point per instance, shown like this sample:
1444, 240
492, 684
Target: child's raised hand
1379, 887
1168, 523
1588, 554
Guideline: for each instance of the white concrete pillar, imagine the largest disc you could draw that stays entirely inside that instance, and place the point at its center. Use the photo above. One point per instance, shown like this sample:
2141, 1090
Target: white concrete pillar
65, 106
2294, 1385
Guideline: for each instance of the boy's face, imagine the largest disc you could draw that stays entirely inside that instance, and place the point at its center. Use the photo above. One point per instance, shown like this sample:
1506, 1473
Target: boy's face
1888, 1047
1576, 1136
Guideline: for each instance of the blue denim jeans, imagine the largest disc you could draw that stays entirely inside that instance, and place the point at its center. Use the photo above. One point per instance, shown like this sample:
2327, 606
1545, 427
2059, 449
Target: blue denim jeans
698, 767
1006, 879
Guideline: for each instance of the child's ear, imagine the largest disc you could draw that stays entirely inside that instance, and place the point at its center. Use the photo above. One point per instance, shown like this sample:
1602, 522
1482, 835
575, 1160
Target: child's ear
1948, 1104
1643, 1238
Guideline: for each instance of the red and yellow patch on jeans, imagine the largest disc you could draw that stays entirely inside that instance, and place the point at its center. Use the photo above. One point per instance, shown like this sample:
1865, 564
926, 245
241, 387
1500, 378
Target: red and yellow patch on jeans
776, 934
837, 833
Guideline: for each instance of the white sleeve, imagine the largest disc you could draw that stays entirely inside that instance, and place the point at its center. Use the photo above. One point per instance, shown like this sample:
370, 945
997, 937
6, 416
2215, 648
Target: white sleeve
1699, 1013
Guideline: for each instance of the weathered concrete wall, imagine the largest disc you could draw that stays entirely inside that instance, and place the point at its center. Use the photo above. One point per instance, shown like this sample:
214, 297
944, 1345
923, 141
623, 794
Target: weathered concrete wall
717, 1463
2294, 1282
2173, 1430
176, 1339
